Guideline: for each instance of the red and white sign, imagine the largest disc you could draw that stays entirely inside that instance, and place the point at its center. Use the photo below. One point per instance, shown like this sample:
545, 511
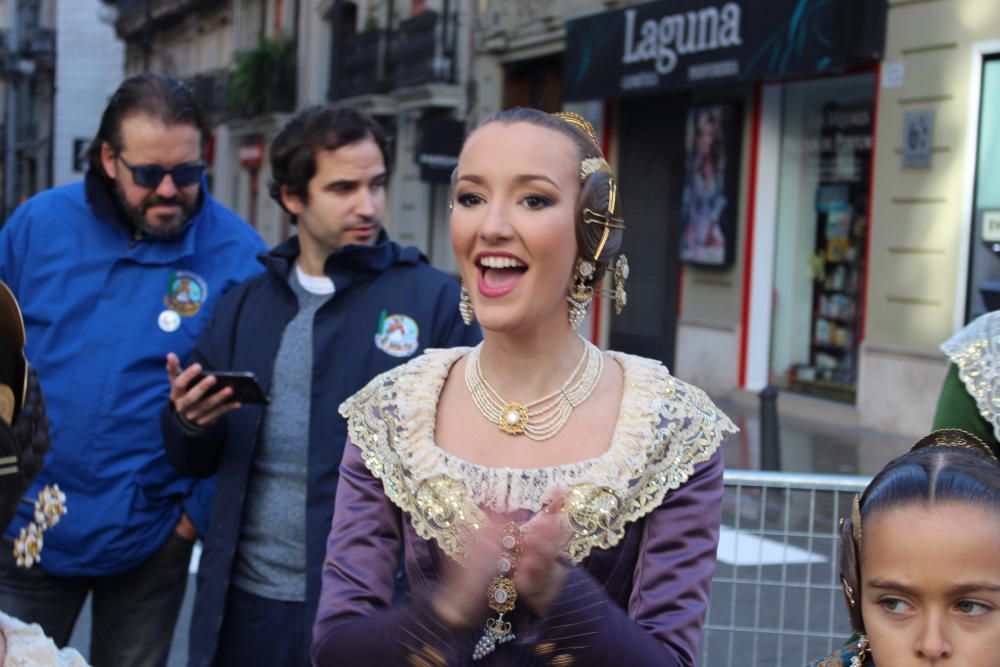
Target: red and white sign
252, 153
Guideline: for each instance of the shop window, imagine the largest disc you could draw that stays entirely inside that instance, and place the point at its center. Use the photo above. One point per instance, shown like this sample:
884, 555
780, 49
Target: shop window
822, 231
984, 251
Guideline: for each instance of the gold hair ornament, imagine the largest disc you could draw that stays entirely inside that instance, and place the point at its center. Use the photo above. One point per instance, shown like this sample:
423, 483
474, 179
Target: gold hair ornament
848, 592
579, 122
608, 221
955, 437
592, 165
856, 520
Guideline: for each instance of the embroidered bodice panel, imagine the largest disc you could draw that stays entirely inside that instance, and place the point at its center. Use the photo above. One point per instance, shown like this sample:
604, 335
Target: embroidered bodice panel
975, 350
665, 428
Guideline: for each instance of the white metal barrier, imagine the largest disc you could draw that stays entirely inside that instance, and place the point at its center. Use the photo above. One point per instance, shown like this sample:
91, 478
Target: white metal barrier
776, 596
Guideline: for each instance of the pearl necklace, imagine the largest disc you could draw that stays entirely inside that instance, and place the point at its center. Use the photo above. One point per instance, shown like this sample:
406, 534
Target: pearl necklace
542, 418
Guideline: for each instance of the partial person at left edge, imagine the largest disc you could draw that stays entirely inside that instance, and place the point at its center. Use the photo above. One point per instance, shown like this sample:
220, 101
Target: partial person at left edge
112, 273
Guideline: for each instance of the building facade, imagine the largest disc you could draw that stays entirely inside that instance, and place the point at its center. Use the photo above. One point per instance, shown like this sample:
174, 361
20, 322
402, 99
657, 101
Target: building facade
92, 62
805, 187
29, 46
408, 64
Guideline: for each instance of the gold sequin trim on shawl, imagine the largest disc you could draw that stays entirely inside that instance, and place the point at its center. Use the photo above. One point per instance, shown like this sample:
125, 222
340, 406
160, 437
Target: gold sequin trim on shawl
666, 428
975, 350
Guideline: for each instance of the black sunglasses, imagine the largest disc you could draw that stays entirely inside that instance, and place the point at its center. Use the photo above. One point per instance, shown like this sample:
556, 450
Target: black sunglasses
151, 175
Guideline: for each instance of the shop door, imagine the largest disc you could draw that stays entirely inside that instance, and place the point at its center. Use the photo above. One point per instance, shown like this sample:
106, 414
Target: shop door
984, 249
821, 235
651, 160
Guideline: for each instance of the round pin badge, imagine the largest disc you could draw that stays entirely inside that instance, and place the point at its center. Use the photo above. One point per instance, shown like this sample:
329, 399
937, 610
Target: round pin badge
169, 321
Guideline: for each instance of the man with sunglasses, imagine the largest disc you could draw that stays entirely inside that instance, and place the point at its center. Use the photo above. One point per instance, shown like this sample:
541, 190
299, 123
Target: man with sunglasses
112, 273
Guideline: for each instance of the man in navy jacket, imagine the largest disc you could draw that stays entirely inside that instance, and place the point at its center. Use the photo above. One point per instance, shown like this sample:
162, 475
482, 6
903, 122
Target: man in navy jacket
112, 273
338, 304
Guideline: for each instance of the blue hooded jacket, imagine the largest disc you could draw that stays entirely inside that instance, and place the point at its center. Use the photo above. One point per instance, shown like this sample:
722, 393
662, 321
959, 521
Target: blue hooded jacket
102, 309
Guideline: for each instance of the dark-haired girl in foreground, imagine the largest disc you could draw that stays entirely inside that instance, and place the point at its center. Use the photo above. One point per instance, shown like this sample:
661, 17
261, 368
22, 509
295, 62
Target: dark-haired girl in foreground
920, 559
552, 504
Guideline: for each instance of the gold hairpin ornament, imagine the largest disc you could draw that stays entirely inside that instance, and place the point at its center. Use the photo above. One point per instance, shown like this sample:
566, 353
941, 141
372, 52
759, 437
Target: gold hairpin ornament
579, 122
848, 592
856, 520
592, 217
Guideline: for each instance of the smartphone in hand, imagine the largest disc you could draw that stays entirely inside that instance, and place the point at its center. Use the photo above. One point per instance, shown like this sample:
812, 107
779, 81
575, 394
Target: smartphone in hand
243, 383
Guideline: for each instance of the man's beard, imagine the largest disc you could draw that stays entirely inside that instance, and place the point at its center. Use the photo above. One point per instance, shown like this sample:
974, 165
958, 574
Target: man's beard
137, 216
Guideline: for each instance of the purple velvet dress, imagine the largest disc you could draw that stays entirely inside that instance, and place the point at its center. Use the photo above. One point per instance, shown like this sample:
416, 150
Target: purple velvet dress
638, 583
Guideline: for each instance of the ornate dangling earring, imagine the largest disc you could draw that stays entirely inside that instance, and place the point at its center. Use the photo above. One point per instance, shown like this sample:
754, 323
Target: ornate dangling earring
863, 648
621, 275
465, 307
580, 294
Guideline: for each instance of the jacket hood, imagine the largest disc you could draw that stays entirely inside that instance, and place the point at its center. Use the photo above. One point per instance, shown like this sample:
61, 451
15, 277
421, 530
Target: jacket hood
348, 264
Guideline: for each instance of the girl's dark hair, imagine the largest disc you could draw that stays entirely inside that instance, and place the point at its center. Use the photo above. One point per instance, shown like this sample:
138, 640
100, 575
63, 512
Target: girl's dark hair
311, 130
593, 191
158, 96
946, 466
27, 439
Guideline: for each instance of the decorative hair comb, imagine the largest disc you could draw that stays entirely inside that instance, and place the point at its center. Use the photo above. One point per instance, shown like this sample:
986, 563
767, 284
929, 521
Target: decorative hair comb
579, 122
954, 437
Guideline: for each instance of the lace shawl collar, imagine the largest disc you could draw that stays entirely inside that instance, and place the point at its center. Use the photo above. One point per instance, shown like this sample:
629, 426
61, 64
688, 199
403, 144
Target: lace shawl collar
975, 350
665, 428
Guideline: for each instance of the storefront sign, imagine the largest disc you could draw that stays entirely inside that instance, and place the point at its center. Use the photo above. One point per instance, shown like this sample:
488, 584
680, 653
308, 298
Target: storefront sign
437, 153
676, 44
990, 226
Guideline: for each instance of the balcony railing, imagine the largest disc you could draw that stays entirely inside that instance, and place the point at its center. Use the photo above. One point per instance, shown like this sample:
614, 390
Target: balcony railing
422, 51
210, 89
362, 64
419, 51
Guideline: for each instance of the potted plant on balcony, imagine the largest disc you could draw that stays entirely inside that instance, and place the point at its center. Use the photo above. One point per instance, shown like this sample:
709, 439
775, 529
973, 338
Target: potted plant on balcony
263, 78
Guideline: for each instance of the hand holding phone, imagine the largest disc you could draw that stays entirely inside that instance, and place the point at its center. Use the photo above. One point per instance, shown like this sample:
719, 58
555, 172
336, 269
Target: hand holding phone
197, 402
243, 383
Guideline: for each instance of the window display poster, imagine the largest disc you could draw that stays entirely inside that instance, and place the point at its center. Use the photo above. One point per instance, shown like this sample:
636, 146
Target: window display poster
708, 207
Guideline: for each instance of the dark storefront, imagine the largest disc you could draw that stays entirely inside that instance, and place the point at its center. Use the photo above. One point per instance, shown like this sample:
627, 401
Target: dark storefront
684, 79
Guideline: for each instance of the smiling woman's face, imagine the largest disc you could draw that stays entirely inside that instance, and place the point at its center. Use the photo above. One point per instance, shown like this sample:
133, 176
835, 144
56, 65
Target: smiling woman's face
512, 225
930, 591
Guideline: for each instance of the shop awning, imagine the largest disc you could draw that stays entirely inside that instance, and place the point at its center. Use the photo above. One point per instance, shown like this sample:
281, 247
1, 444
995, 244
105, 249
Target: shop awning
672, 45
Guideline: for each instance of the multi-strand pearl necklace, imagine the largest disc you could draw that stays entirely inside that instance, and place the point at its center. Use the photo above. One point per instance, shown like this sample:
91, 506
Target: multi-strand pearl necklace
542, 418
